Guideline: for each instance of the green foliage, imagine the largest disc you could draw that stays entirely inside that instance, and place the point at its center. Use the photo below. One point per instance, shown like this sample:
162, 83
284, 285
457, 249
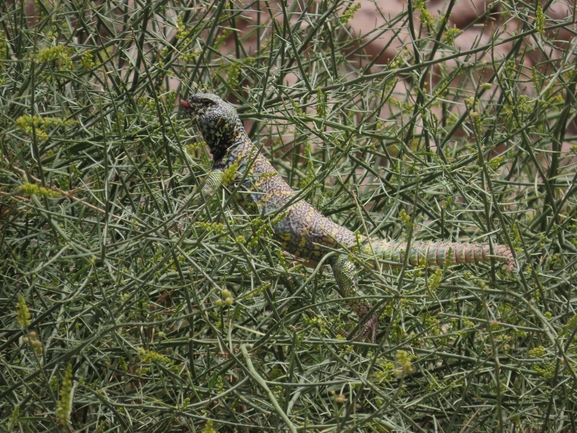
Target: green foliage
539, 19
37, 125
229, 174
451, 34
23, 313
30, 189
349, 13
65, 403
132, 304
60, 55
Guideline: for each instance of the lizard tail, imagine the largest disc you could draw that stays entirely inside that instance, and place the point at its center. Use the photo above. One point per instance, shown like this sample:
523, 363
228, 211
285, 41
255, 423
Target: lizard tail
438, 253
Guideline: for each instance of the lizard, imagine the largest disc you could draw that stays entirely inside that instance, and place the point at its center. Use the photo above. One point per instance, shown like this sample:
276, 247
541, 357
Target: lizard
301, 229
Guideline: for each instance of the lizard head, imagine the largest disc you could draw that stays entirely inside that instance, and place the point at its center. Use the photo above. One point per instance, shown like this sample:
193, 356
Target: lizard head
217, 120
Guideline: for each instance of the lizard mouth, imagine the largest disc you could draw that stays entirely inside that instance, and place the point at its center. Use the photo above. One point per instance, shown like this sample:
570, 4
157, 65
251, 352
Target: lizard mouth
190, 109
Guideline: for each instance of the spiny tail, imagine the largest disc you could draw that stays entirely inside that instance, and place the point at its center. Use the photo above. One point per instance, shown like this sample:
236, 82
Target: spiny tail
437, 253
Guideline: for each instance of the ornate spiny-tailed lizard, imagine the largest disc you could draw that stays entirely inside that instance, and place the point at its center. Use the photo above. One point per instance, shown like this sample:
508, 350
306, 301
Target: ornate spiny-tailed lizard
302, 230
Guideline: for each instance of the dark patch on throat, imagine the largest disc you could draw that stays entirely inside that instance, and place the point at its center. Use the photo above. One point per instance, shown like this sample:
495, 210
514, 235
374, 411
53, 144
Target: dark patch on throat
220, 144
218, 153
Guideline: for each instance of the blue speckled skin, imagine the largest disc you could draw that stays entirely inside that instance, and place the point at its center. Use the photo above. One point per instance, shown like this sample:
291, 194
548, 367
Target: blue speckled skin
303, 231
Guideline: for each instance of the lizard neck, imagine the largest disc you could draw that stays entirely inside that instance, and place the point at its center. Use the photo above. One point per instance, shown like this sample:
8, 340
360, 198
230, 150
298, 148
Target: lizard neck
233, 152
219, 140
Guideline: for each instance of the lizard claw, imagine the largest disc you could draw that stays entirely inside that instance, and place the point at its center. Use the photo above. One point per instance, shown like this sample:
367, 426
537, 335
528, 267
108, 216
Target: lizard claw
371, 326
